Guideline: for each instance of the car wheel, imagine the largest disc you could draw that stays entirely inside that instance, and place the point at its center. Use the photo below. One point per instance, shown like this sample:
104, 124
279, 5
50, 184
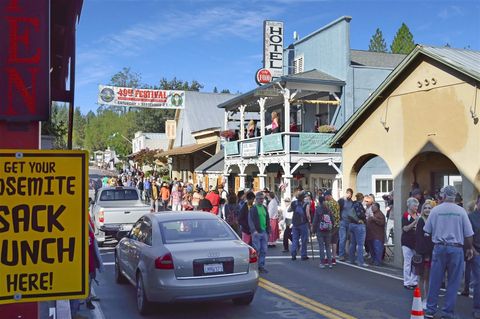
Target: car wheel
243, 301
119, 277
143, 305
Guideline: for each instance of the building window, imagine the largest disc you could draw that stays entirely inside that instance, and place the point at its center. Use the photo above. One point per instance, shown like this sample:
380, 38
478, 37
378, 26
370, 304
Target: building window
382, 184
298, 64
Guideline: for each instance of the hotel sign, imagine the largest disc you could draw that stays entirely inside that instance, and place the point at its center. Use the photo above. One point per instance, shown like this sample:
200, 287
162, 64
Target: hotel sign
273, 47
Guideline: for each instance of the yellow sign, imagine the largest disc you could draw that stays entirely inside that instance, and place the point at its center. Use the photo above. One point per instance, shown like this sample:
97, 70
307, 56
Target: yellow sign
43, 225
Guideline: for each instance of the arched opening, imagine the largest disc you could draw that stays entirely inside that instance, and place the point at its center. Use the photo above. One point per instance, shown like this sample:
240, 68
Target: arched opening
372, 175
430, 171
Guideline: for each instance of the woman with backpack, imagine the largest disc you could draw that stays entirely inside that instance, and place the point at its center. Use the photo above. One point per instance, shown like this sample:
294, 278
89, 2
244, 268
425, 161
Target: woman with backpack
322, 226
232, 212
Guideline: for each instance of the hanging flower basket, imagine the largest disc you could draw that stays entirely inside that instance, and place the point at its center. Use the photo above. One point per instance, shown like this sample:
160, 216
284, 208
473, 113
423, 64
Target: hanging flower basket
327, 129
227, 133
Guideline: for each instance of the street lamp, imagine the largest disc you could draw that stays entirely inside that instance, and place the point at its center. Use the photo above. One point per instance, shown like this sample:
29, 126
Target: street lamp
118, 134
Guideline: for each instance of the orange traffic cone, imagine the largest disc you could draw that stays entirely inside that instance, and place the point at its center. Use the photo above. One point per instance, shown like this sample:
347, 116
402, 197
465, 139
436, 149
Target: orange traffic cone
417, 307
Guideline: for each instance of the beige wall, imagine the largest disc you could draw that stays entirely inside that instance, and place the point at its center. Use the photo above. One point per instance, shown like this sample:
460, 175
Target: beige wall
435, 118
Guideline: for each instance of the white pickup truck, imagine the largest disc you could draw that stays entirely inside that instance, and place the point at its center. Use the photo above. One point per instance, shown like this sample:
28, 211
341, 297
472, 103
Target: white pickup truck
115, 209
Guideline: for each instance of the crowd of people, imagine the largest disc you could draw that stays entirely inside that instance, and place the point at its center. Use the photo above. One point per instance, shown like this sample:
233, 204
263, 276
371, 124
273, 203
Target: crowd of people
438, 236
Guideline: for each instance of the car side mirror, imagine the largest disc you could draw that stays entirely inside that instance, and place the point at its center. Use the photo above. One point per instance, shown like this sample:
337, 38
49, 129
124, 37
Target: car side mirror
121, 234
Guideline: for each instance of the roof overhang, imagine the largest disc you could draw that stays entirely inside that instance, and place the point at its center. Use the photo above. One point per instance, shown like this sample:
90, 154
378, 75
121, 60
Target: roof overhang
301, 82
187, 149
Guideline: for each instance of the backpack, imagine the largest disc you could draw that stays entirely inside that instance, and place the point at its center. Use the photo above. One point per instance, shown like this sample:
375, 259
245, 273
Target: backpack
231, 214
299, 214
325, 223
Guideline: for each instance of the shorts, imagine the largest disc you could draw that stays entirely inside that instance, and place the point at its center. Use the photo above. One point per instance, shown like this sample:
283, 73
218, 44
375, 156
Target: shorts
335, 235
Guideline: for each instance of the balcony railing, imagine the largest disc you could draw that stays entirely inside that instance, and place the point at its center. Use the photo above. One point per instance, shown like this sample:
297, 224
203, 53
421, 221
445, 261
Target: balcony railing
281, 143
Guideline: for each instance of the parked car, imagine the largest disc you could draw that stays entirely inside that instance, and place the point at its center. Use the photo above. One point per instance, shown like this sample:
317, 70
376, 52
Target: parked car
114, 209
186, 256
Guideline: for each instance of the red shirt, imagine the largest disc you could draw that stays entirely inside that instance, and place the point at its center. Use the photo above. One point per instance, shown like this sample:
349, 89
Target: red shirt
214, 200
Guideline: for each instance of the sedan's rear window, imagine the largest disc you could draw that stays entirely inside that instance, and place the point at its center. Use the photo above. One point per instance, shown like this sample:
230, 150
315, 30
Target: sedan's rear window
119, 194
183, 231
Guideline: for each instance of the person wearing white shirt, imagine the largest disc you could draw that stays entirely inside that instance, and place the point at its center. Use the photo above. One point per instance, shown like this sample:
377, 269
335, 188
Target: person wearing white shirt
273, 215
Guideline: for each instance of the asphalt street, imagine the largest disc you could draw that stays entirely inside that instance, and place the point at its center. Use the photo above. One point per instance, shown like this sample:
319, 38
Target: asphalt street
291, 289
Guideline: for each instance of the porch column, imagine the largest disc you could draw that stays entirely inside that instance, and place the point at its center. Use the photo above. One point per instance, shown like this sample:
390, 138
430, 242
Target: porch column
242, 180
225, 182
261, 101
242, 121
286, 107
287, 181
261, 179
225, 126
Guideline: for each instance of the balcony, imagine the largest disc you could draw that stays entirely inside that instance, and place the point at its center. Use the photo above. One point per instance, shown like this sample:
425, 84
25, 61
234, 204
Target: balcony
281, 143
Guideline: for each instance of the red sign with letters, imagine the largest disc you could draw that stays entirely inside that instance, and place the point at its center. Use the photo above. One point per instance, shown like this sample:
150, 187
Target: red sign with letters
24, 60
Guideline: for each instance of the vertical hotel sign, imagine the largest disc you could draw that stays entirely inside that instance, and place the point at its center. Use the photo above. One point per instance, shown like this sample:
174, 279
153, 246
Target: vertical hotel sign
24, 60
43, 225
273, 47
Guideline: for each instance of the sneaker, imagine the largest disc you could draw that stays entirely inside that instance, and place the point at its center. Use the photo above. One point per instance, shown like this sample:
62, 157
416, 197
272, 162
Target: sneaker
322, 266
334, 262
330, 266
409, 287
428, 315
342, 258
325, 261
364, 265
262, 270
285, 251
294, 257
465, 293
305, 257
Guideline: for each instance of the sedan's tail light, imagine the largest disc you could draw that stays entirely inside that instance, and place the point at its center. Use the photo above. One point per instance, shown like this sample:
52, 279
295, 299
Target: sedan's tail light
164, 262
253, 257
101, 216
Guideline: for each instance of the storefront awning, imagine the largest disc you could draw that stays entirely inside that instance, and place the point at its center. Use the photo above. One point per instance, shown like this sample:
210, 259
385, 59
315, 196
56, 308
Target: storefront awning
187, 149
214, 164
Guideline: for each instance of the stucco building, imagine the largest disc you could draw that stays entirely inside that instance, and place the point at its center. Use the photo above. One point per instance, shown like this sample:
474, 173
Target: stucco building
423, 122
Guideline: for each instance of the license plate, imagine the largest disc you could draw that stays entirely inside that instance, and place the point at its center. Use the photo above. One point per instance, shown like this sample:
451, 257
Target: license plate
212, 268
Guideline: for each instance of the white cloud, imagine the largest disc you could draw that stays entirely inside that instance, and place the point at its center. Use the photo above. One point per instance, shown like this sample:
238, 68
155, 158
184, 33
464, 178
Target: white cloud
209, 24
449, 12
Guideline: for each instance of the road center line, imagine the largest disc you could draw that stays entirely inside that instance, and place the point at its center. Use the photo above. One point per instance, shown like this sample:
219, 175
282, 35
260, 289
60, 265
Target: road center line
303, 301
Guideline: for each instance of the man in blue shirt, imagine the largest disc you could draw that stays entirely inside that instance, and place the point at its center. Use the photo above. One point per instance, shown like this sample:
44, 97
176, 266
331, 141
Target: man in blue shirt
450, 229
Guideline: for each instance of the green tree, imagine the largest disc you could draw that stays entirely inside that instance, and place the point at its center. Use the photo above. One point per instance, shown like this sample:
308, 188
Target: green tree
215, 90
377, 42
403, 41
57, 125
79, 122
225, 91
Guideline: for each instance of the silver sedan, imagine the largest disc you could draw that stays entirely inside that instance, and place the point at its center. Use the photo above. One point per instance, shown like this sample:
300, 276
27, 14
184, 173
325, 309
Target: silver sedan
186, 256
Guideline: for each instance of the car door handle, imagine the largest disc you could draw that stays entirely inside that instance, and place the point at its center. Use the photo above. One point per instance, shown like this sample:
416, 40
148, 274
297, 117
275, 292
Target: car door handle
127, 212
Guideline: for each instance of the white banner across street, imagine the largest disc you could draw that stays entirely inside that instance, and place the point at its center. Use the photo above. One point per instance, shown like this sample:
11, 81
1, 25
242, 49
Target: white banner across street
144, 98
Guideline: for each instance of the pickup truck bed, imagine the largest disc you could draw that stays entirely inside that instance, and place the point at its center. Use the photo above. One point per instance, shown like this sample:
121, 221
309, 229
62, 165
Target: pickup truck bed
116, 208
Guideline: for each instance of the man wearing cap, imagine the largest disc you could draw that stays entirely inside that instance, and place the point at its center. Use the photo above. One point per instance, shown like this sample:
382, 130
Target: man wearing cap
259, 224
450, 229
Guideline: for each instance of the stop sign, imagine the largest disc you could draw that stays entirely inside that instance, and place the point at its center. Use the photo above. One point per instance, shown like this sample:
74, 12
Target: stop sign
263, 76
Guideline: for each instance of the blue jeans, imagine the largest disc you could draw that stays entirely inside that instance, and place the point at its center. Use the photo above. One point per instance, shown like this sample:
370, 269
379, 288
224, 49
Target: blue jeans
450, 259
376, 250
299, 232
342, 233
357, 241
476, 283
324, 244
260, 243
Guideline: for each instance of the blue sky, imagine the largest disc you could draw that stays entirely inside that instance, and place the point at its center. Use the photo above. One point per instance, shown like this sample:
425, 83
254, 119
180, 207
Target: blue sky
219, 43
